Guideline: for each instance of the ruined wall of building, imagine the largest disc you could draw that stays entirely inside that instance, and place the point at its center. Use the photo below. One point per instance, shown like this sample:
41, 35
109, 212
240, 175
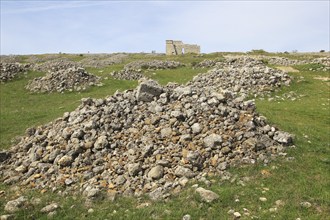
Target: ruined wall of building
192, 48
178, 47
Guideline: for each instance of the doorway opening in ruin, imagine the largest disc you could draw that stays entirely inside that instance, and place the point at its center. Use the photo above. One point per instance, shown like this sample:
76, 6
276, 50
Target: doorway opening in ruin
182, 52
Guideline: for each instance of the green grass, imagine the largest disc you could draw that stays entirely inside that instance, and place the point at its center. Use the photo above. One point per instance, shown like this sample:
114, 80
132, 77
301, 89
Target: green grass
180, 75
305, 178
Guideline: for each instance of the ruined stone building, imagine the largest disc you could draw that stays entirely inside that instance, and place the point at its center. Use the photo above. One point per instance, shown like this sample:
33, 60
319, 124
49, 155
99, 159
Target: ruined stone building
174, 47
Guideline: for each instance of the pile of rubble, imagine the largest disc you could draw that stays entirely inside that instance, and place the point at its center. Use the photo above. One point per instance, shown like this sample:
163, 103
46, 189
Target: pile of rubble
54, 65
128, 74
208, 63
152, 139
11, 59
242, 75
63, 78
102, 60
134, 70
282, 61
154, 65
292, 96
9, 71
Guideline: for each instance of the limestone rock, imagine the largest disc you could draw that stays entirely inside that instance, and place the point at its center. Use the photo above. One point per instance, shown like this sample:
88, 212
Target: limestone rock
207, 195
134, 169
196, 128
212, 140
147, 90
156, 172
65, 161
15, 205
156, 194
183, 171
283, 137
7, 217
50, 208
186, 217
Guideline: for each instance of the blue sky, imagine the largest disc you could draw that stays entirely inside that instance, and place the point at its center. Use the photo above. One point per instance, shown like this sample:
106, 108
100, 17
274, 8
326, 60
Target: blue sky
33, 27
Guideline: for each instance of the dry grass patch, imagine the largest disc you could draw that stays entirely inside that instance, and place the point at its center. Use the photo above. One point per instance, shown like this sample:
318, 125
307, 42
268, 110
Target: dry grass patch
287, 69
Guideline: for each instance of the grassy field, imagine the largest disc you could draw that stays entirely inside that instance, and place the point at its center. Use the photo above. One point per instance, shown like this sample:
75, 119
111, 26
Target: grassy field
302, 176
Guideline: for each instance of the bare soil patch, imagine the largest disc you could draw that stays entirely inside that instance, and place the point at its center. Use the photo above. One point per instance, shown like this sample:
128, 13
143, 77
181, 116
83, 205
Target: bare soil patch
287, 69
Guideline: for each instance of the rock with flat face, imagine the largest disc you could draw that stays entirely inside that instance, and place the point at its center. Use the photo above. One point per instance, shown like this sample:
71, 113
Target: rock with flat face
147, 90
212, 140
207, 195
156, 172
15, 205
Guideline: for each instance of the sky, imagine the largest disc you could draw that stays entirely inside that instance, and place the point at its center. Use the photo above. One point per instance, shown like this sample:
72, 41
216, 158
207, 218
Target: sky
36, 27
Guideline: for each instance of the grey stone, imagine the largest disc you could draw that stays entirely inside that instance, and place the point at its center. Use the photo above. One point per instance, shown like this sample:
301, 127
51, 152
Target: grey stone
15, 205
7, 217
156, 194
306, 204
101, 142
225, 150
148, 90
156, 172
50, 208
21, 169
183, 90
186, 217
283, 137
181, 171
212, 141
134, 169
92, 193
166, 132
120, 180
207, 195
196, 128
237, 214
65, 161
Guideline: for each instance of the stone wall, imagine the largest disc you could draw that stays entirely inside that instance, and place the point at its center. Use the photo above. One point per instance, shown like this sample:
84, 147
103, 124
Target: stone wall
178, 47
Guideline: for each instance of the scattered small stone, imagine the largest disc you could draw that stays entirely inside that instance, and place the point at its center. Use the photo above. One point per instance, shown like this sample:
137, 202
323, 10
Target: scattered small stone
36, 201
50, 215
306, 204
90, 210
231, 211
279, 203
7, 217
274, 209
186, 217
237, 214
50, 208
156, 172
263, 199
143, 205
